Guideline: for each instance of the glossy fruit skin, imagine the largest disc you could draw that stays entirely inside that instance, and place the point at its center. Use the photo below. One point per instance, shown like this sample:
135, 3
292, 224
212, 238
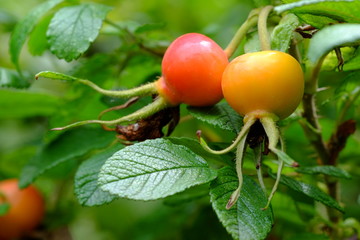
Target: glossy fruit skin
266, 82
26, 209
192, 68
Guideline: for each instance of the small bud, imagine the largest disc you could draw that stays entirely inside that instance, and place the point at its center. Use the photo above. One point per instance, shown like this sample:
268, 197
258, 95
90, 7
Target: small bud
198, 134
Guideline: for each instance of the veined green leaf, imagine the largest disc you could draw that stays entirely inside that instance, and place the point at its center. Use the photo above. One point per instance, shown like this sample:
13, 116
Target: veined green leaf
324, 12
194, 145
328, 170
25, 26
153, 169
66, 147
73, 28
245, 220
86, 185
330, 37
282, 33
220, 115
309, 190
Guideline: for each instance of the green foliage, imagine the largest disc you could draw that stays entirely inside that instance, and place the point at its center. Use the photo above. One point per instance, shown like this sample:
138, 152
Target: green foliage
354, 62
221, 115
332, 37
246, 220
26, 103
11, 78
87, 189
24, 28
328, 170
67, 147
38, 43
320, 13
73, 28
123, 48
283, 33
158, 169
310, 191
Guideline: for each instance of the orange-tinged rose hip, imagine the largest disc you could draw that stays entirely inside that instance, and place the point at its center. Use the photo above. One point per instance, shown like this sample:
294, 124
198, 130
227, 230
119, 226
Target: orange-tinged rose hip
266, 82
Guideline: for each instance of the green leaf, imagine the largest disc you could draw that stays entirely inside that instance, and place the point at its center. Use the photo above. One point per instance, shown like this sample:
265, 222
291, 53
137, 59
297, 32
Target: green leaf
349, 85
309, 190
246, 220
11, 78
328, 170
220, 115
283, 156
194, 145
331, 37
297, 4
19, 104
56, 76
319, 13
68, 146
86, 186
153, 169
4, 208
353, 63
73, 28
37, 40
282, 33
25, 26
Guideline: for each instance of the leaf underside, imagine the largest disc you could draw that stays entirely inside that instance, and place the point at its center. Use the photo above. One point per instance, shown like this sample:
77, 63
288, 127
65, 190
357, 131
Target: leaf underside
331, 37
